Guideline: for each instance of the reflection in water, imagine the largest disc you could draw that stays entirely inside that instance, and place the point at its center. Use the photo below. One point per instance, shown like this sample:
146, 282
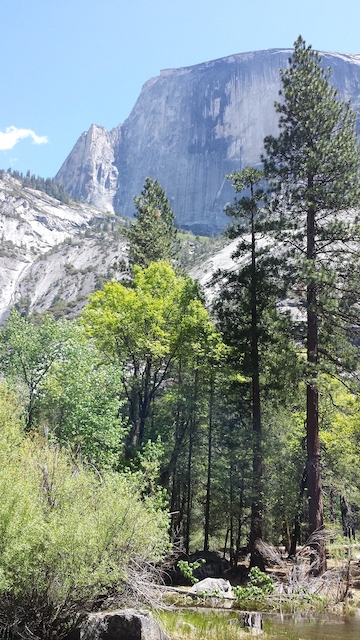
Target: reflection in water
313, 628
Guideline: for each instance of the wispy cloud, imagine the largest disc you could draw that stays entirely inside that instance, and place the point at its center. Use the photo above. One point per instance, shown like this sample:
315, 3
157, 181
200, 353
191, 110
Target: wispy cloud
11, 136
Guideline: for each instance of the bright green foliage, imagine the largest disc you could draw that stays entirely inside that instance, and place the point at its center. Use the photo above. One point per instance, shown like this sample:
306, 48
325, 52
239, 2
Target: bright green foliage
10, 418
260, 585
339, 418
187, 569
67, 535
68, 391
153, 235
146, 329
79, 403
27, 353
161, 335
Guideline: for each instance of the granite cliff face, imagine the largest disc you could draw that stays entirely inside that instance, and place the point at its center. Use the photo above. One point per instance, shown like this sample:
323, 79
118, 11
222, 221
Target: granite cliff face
90, 170
52, 253
188, 129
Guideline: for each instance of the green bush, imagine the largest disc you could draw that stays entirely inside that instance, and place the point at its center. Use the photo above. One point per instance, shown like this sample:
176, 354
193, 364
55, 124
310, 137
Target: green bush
260, 585
187, 569
67, 535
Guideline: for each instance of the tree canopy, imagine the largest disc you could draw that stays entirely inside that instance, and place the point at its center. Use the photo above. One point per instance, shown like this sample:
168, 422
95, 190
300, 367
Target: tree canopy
146, 329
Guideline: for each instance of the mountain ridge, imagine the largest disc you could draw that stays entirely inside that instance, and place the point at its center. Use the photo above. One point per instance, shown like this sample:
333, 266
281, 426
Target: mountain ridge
189, 128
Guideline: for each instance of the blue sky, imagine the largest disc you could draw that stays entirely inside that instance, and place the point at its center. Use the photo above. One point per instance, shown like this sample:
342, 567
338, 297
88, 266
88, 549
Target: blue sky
65, 64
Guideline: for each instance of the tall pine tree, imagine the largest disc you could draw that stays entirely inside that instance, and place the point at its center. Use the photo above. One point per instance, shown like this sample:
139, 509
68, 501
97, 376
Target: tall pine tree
153, 236
314, 167
248, 316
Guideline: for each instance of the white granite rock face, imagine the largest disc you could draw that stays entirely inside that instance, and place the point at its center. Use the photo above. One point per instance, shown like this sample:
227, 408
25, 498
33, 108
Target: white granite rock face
188, 129
90, 171
48, 250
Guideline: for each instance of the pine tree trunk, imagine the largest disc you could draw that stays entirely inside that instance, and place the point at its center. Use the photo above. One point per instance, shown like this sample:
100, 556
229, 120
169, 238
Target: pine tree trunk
189, 491
257, 500
314, 484
189, 464
209, 469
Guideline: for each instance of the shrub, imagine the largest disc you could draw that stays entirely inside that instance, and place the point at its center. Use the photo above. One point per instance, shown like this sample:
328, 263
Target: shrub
68, 536
187, 569
260, 586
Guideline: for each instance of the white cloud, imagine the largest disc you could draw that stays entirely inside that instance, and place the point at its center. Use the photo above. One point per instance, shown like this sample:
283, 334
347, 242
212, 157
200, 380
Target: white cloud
12, 135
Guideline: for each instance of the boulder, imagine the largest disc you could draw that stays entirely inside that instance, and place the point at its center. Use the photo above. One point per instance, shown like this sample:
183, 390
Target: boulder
122, 624
213, 586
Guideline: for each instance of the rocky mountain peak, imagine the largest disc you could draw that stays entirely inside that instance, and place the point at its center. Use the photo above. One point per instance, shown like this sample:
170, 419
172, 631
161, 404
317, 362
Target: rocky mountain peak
90, 170
188, 129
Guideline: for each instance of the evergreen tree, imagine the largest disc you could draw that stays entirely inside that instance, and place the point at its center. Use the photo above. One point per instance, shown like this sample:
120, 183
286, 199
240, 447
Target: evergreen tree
313, 164
152, 237
251, 323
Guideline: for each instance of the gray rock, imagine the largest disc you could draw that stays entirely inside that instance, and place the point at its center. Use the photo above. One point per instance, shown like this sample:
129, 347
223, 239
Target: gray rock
212, 586
90, 169
122, 624
188, 129
51, 250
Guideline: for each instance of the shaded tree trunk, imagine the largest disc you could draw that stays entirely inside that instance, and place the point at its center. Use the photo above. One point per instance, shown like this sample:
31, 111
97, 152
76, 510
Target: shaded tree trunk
240, 519
209, 463
189, 467
314, 484
295, 538
257, 499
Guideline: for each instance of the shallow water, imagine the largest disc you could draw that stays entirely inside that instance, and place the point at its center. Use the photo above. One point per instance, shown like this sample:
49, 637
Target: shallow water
214, 623
313, 628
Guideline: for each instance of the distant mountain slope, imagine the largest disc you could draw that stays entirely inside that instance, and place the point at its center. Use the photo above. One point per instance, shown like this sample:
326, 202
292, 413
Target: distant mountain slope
51, 252
188, 129
52, 255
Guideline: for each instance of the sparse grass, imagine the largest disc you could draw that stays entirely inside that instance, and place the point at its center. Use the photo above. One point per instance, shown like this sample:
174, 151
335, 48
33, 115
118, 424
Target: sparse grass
198, 625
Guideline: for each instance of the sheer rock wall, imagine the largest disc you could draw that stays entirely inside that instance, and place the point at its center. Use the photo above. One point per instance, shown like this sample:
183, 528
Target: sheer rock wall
188, 129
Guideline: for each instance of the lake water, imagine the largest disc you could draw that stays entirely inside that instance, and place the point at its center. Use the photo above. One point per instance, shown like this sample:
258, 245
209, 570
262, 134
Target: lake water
313, 628
296, 626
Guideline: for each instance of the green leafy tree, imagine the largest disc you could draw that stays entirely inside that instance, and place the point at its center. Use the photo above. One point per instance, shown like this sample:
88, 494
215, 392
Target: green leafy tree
64, 387
339, 420
79, 403
313, 164
27, 352
153, 236
145, 329
67, 535
185, 418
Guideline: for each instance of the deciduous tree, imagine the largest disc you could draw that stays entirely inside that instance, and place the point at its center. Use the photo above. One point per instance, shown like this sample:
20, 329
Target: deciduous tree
145, 328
